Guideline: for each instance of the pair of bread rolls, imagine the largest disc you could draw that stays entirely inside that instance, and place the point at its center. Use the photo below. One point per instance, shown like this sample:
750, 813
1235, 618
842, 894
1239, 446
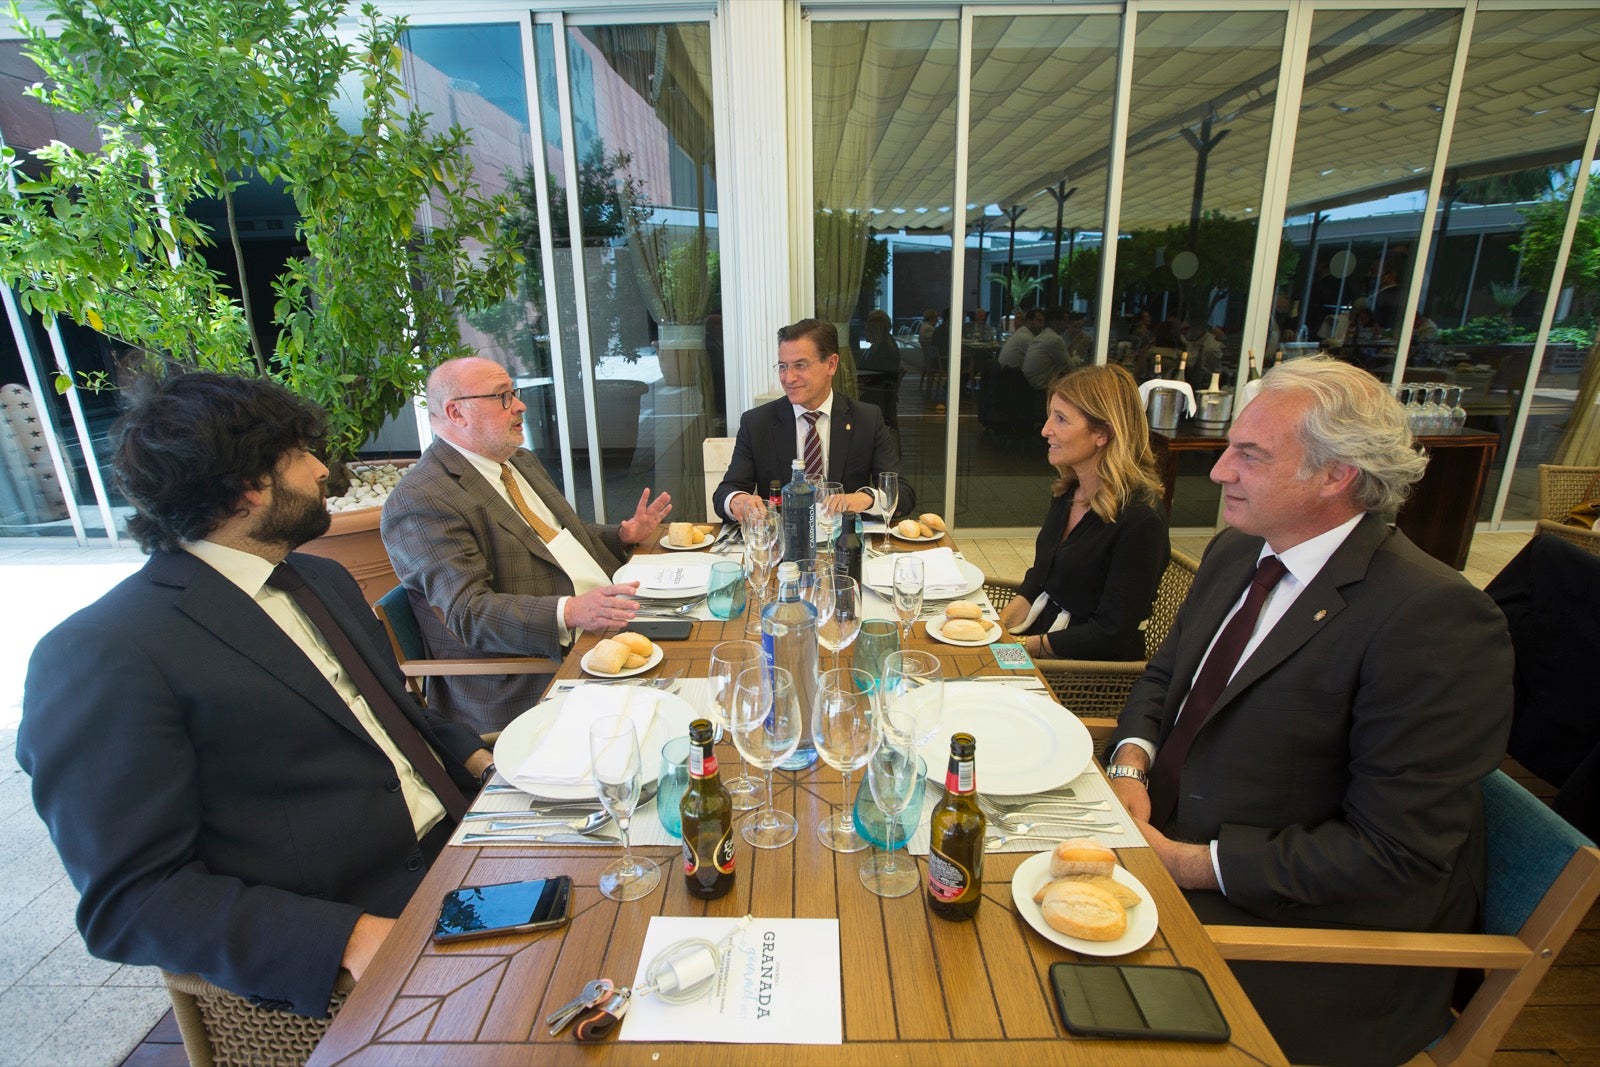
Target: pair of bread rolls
687, 534
963, 621
924, 526
1082, 899
625, 652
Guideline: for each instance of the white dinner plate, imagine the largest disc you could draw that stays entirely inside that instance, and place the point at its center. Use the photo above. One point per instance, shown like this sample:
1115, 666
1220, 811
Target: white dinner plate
655, 657
1034, 872
637, 569
936, 631
519, 739
1027, 743
898, 536
666, 543
972, 574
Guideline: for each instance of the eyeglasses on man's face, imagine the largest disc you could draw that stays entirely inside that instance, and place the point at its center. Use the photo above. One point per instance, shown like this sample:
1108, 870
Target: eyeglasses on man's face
799, 366
506, 397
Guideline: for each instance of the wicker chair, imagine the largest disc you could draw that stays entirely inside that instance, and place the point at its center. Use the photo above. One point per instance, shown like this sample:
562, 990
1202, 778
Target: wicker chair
223, 1029
1560, 490
1095, 690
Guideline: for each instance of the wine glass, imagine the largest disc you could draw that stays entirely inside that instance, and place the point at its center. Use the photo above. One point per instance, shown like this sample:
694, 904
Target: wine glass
844, 728
892, 773
618, 778
913, 696
761, 540
729, 659
908, 586
767, 726
838, 625
830, 507
886, 487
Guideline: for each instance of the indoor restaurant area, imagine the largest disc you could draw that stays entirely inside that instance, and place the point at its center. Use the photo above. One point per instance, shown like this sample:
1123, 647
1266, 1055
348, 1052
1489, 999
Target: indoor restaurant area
968, 371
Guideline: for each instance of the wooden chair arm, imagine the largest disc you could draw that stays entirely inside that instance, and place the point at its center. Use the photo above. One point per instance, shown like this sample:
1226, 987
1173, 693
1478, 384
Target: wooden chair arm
1293, 945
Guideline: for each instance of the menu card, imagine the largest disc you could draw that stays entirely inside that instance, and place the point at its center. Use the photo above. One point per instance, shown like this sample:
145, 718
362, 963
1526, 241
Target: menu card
778, 985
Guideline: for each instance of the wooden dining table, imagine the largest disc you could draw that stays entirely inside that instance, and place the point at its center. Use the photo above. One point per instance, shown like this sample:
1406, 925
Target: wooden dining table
915, 989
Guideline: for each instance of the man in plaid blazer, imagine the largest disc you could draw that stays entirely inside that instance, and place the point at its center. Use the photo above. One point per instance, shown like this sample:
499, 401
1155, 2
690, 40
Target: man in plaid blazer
494, 559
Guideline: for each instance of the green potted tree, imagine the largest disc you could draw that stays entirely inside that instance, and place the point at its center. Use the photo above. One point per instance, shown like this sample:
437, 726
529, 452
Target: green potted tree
192, 102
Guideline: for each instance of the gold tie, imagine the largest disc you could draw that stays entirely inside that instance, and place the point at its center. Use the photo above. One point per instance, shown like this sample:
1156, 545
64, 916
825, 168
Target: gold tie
545, 531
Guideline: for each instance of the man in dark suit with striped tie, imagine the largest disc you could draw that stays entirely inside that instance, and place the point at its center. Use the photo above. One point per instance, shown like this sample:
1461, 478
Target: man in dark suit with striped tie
1315, 727
840, 439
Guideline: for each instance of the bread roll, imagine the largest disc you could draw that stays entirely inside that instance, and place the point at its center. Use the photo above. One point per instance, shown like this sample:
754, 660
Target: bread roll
703, 530
932, 521
964, 609
909, 528
1080, 909
1081, 855
964, 629
635, 661
924, 530
1123, 894
638, 644
608, 657
682, 535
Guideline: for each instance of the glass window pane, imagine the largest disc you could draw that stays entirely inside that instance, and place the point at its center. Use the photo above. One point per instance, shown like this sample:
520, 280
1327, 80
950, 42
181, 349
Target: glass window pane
642, 111
1043, 92
1525, 106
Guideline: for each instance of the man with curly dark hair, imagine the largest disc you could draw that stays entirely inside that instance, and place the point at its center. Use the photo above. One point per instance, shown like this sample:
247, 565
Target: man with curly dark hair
222, 746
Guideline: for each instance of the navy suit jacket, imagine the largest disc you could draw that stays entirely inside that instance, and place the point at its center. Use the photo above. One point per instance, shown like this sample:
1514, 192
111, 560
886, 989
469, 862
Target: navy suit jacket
216, 803
1338, 771
859, 446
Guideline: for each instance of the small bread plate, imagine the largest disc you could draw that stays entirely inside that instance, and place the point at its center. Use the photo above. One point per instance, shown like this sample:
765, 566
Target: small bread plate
991, 632
1034, 873
518, 740
898, 536
666, 543
655, 658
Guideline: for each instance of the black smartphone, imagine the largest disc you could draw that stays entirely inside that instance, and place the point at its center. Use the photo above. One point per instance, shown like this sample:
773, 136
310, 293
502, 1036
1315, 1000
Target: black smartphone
662, 629
506, 908
1121, 1000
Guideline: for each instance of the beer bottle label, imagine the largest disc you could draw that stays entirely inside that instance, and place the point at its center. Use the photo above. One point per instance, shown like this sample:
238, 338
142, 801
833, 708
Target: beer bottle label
958, 777
691, 861
947, 879
702, 761
724, 853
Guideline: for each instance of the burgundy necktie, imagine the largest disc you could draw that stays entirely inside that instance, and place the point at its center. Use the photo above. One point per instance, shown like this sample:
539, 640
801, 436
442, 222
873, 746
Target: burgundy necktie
400, 729
1208, 685
813, 446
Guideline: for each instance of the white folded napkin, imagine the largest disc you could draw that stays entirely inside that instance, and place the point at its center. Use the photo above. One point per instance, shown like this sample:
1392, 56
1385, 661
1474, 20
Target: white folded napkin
562, 757
940, 574
1035, 610
1247, 393
1167, 383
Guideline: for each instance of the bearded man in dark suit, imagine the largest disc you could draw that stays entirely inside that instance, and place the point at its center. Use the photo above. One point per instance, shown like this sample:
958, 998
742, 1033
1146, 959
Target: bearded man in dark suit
851, 441
222, 746
1326, 772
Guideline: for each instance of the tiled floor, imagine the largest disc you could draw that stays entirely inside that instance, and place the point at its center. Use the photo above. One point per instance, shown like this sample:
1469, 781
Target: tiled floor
58, 1005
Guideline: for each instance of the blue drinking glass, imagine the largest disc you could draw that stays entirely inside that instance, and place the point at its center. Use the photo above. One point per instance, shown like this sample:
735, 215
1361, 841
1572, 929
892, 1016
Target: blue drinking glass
726, 597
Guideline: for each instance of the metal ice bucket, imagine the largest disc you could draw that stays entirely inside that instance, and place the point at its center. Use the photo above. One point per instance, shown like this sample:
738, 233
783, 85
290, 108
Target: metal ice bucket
1163, 409
1215, 409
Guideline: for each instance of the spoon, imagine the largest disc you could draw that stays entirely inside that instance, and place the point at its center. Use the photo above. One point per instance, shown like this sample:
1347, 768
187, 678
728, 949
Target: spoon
522, 821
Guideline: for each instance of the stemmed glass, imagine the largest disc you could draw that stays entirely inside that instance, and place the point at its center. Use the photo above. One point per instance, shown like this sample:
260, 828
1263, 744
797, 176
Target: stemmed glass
830, 506
844, 727
908, 586
892, 773
886, 486
838, 612
729, 659
913, 696
614, 754
767, 726
761, 530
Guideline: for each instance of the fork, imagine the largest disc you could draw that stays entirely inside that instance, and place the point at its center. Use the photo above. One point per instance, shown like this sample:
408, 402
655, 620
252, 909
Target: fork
995, 842
1031, 804
1025, 827
676, 611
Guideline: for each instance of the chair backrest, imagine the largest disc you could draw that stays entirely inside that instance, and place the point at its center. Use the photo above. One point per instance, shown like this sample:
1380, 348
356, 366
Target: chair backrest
1529, 846
1563, 488
400, 622
1175, 581
717, 453
221, 1029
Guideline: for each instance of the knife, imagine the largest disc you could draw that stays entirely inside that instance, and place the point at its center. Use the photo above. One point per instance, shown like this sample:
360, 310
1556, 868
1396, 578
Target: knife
545, 839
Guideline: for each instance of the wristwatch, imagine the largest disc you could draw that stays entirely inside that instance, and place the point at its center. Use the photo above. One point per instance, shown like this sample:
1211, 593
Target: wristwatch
488, 773
1127, 770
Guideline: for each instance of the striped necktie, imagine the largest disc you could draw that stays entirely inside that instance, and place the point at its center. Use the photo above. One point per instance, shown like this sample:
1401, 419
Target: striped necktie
813, 445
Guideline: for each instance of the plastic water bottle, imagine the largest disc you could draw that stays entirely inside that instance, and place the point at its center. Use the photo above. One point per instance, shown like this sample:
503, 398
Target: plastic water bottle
799, 516
789, 640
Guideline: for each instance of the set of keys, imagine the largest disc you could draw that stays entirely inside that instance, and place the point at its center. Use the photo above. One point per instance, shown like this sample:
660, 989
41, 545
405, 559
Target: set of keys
593, 1013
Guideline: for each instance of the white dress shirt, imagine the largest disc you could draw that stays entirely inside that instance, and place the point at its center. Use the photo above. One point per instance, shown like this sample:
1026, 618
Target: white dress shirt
250, 573
570, 554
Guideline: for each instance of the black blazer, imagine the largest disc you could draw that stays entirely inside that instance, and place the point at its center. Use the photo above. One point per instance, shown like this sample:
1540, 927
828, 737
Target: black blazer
217, 805
859, 446
1104, 574
1338, 771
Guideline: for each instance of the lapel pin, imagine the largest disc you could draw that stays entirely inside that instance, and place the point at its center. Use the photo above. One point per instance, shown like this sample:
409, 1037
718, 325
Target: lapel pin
1322, 613
847, 426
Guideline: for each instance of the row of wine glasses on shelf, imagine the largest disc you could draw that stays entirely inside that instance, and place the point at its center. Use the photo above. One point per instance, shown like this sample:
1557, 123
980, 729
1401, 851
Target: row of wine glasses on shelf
1432, 407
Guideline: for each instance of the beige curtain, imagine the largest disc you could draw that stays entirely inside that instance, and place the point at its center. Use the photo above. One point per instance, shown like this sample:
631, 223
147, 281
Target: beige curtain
841, 238
1580, 444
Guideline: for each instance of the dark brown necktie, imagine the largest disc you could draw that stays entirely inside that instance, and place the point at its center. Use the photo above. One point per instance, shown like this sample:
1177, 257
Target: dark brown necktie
813, 455
400, 729
1208, 685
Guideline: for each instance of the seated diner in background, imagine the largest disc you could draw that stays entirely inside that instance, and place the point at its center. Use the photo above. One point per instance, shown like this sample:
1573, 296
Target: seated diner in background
1103, 546
1306, 747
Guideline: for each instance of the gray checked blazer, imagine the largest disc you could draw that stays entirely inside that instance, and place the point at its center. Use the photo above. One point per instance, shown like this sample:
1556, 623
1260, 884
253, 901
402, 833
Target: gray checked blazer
480, 581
